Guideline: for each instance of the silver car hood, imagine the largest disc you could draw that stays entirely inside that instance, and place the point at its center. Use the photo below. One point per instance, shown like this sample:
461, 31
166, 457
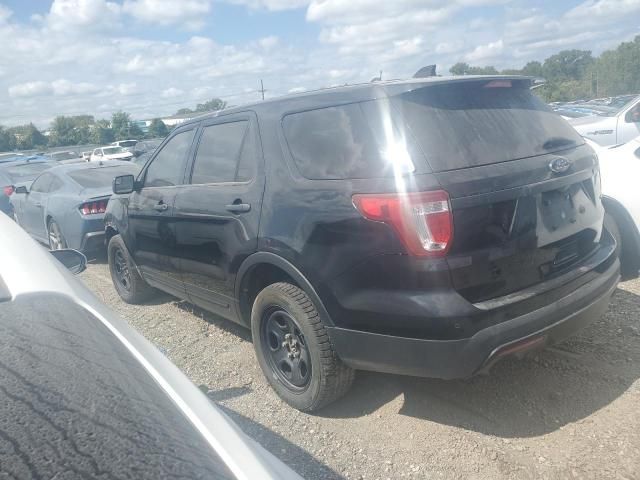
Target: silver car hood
244, 458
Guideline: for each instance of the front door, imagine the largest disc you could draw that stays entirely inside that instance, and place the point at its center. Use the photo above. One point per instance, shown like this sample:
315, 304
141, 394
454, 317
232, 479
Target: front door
629, 124
33, 205
152, 233
218, 213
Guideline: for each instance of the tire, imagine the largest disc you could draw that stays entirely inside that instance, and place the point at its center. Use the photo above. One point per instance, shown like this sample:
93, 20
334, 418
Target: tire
125, 277
55, 236
283, 309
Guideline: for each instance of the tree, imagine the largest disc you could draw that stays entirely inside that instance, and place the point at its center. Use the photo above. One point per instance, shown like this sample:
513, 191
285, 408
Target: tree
533, 69
212, 105
157, 128
184, 111
567, 65
459, 68
120, 125
7, 140
62, 131
101, 132
28, 137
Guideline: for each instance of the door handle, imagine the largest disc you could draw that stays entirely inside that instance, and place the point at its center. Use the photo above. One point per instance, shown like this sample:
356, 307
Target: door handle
37, 204
161, 207
238, 207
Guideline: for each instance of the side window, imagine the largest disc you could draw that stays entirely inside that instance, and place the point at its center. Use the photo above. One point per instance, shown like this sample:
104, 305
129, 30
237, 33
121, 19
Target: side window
167, 168
226, 153
42, 183
637, 153
56, 184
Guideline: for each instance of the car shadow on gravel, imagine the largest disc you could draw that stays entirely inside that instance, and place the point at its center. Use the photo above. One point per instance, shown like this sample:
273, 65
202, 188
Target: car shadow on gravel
520, 397
216, 321
295, 457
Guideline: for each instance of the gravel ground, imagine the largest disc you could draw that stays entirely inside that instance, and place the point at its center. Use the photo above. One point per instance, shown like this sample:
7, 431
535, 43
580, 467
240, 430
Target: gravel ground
571, 411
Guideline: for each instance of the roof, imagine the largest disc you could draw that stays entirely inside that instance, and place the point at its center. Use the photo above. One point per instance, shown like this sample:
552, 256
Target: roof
72, 167
349, 93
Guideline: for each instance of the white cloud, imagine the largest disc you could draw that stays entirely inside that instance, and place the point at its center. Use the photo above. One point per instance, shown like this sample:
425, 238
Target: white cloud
272, 5
30, 89
5, 13
268, 42
172, 92
185, 13
82, 14
599, 10
489, 51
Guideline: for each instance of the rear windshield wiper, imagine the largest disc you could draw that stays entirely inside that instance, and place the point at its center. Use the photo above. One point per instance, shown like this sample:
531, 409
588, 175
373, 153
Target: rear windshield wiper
556, 142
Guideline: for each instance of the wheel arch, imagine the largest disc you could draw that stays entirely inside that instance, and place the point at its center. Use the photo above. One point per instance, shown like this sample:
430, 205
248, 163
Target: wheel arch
630, 254
262, 269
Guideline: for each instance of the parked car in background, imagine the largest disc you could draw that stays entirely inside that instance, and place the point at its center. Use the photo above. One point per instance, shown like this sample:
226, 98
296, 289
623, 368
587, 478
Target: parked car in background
84, 395
345, 244
613, 128
64, 206
64, 157
21, 172
127, 145
87, 155
110, 153
620, 170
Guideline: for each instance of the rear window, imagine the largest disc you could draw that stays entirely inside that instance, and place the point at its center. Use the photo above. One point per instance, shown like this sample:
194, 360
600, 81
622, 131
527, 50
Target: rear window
345, 141
467, 124
26, 172
101, 177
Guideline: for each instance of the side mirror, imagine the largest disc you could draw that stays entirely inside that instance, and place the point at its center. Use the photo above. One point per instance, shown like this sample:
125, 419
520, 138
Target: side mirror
74, 260
123, 184
21, 189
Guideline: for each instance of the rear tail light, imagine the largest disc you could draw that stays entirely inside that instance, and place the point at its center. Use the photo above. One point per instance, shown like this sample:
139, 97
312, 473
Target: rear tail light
90, 208
8, 190
423, 220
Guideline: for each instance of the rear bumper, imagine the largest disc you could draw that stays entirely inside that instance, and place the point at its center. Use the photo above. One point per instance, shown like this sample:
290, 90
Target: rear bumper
92, 241
462, 358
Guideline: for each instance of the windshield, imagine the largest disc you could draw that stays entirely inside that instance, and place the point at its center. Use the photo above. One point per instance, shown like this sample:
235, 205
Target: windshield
113, 150
102, 176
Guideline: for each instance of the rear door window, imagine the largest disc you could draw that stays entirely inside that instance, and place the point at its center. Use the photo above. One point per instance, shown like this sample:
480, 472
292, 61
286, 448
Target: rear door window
466, 124
346, 141
219, 154
42, 183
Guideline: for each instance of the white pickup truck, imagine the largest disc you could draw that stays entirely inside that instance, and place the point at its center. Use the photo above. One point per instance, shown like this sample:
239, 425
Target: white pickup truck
611, 129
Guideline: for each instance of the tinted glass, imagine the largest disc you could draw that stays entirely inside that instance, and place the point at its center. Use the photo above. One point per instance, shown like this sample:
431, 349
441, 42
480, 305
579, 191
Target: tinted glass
128, 143
113, 150
26, 172
168, 165
346, 141
219, 153
101, 177
42, 183
56, 184
466, 124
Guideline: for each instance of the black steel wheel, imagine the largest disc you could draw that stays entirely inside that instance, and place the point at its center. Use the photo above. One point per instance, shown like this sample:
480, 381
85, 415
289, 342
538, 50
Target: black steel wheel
286, 349
294, 350
125, 277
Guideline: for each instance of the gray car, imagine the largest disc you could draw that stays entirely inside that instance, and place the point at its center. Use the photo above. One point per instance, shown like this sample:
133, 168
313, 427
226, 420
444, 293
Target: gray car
83, 395
65, 205
21, 172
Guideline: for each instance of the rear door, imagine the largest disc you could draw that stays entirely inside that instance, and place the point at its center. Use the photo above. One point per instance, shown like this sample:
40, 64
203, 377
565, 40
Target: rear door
151, 233
218, 213
523, 186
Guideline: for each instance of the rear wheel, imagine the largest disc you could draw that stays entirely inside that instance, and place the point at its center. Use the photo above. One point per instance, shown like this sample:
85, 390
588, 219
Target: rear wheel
125, 277
294, 349
56, 238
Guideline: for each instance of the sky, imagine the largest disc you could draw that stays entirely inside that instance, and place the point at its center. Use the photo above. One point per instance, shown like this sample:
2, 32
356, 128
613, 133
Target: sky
152, 57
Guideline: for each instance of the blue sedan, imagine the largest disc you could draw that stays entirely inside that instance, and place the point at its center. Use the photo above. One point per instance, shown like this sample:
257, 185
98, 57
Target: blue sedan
64, 206
15, 173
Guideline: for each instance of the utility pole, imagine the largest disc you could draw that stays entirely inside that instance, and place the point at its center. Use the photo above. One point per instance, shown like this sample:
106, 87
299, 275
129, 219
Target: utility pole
262, 90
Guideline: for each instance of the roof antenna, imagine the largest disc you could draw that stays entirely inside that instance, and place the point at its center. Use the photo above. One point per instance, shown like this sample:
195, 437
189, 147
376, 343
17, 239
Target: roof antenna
424, 72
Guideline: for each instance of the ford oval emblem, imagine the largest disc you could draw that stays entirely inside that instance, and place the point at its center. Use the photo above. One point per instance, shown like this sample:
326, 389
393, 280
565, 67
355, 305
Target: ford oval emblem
559, 165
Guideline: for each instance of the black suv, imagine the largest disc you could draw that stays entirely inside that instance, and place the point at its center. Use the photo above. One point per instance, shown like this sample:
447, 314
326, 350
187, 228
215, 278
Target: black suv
424, 227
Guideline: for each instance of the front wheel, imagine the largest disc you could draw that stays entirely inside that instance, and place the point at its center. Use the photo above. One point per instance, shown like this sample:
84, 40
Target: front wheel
125, 277
294, 350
